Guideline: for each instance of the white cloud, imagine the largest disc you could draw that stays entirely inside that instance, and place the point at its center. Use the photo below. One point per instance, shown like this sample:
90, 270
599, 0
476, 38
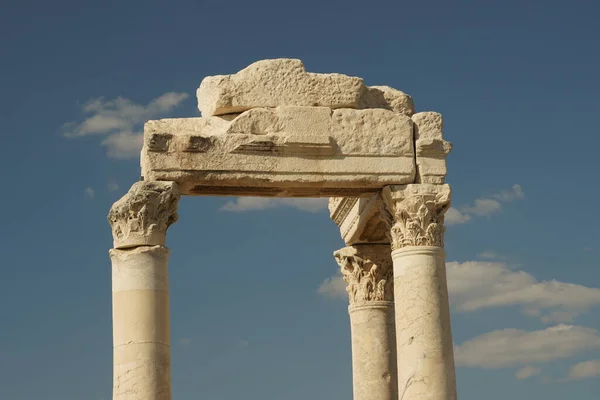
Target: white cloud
455, 217
89, 193
582, 370
260, 203
514, 347
515, 193
112, 186
484, 206
120, 120
527, 372
334, 287
476, 285
124, 144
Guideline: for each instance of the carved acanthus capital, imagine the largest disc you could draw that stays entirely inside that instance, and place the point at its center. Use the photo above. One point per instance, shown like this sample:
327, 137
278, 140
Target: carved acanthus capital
142, 216
415, 214
368, 271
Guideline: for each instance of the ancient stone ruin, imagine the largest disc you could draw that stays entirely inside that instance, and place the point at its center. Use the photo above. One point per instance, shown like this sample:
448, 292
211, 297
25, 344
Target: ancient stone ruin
275, 130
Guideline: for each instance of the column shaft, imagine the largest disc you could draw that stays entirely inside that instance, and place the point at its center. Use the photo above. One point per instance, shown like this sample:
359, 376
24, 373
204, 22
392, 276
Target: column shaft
423, 332
415, 216
373, 351
140, 291
141, 337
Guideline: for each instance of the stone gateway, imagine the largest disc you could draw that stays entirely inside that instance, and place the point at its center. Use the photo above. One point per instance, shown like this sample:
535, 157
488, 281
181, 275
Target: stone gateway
275, 130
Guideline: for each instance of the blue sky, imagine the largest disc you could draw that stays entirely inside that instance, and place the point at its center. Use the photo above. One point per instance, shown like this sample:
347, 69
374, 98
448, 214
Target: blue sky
255, 298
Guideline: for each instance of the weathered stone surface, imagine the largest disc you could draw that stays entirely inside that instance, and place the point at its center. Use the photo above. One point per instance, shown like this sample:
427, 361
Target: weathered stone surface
431, 148
367, 269
273, 83
284, 151
142, 216
141, 332
388, 98
415, 214
359, 219
423, 330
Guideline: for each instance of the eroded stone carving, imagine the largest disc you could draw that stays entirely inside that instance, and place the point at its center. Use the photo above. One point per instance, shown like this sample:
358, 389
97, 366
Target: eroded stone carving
388, 98
142, 216
430, 147
358, 219
367, 269
273, 83
415, 214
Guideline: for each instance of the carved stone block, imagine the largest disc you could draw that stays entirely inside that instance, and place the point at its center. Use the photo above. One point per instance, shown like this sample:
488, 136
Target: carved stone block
142, 216
359, 219
431, 148
286, 151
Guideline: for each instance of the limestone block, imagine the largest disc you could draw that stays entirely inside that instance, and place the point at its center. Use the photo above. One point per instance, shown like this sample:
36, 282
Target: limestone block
431, 148
282, 151
142, 216
273, 83
388, 98
359, 219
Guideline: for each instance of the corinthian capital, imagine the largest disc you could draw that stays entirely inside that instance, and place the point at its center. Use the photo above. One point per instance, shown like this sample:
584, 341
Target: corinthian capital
367, 269
142, 216
415, 214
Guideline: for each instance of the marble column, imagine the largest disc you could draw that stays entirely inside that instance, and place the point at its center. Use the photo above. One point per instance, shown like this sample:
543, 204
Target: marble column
415, 215
140, 291
367, 269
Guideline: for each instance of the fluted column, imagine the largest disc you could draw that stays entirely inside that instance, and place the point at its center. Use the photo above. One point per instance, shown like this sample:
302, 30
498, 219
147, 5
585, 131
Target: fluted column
367, 269
140, 291
415, 215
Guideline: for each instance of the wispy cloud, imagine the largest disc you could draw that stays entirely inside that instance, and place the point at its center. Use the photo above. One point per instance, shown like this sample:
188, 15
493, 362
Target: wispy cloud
476, 285
120, 120
488, 255
484, 206
333, 287
527, 372
242, 204
112, 186
89, 193
582, 370
514, 347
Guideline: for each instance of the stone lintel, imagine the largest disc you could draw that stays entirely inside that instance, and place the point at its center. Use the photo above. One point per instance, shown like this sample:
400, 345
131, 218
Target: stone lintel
286, 151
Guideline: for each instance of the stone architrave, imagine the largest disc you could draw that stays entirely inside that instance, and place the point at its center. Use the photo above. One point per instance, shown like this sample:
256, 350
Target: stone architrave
288, 151
367, 269
140, 293
415, 215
